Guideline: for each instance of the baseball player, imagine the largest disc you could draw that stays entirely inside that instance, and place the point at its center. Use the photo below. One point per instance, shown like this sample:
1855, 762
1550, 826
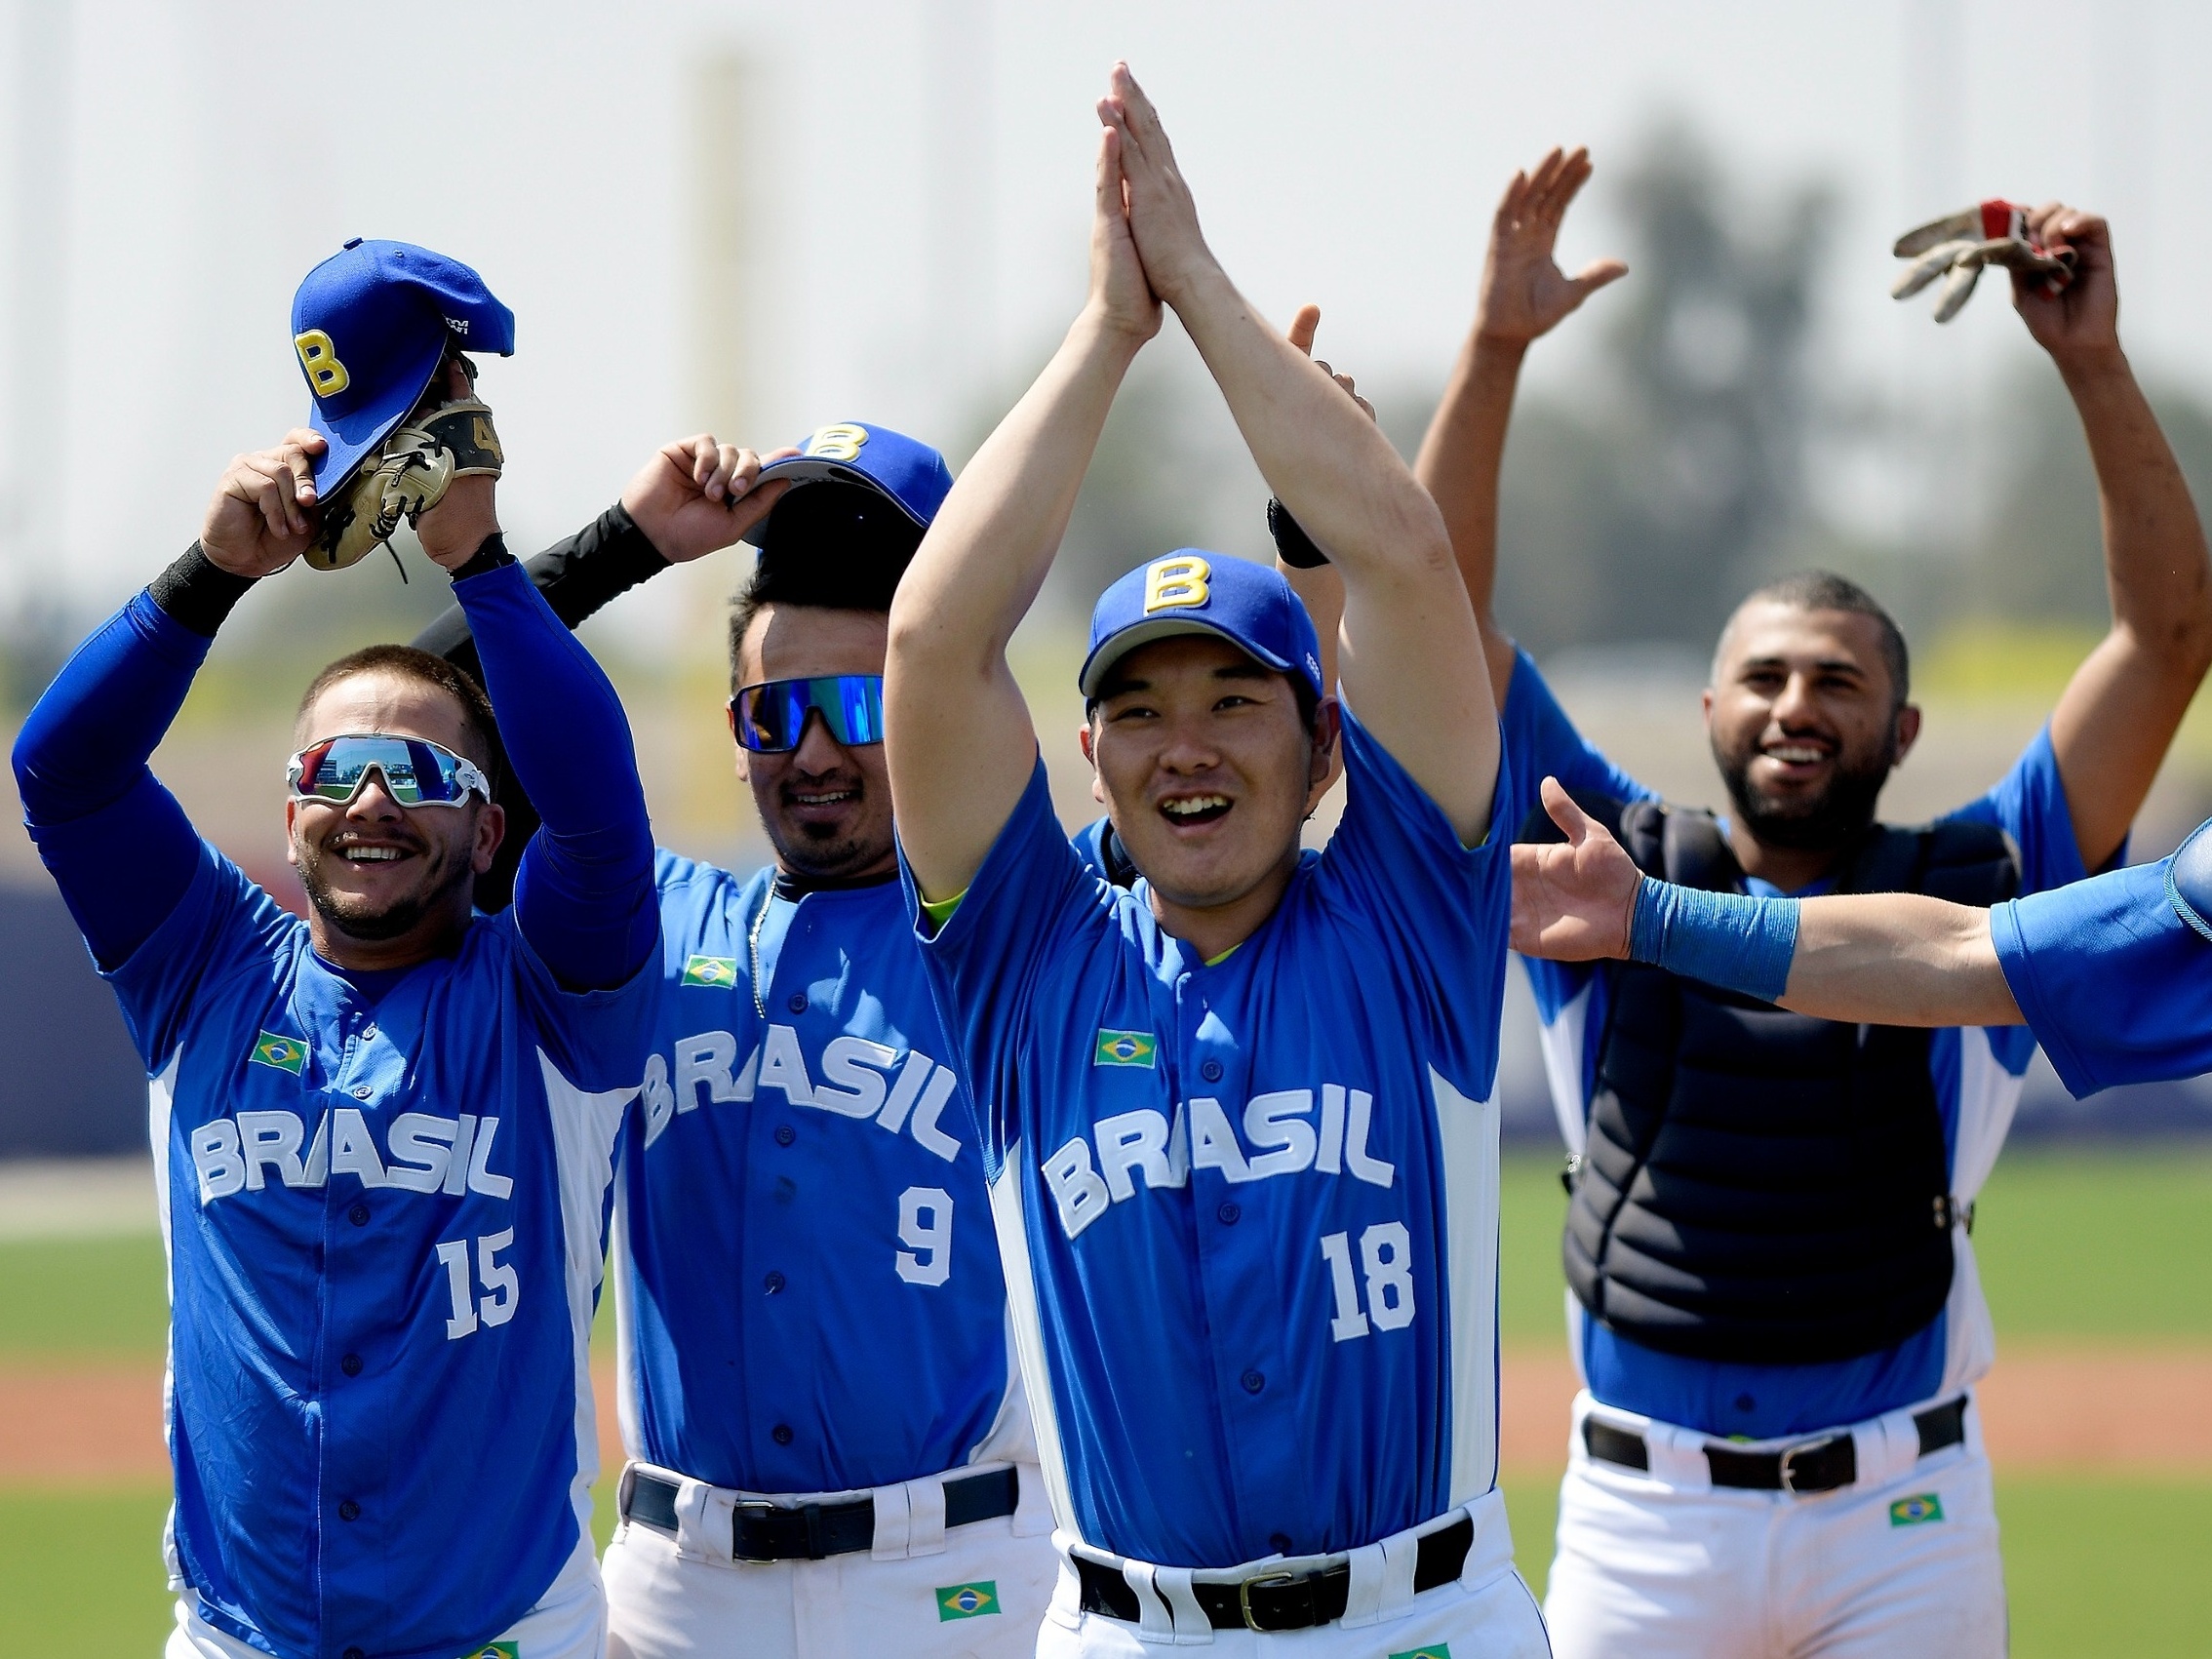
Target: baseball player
1773, 1306
382, 1136
1238, 1128
829, 1451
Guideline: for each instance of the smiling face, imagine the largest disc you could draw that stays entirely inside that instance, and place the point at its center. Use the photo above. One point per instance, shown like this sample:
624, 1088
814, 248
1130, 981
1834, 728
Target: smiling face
1805, 723
377, 873
1208, 769
826, 807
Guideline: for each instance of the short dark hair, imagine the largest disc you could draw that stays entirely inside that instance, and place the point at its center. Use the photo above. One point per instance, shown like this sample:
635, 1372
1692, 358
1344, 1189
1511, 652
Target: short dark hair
405, 662
835, 546
1825, 590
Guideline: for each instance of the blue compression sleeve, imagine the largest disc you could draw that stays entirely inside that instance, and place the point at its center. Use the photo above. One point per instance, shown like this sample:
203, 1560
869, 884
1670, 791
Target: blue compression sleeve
583, 896
116, 842
1729, 939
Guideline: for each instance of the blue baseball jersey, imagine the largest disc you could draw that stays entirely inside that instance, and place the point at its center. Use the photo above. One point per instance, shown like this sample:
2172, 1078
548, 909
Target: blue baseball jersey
807, 1289
1977, 1072
384, 1209
1249, 1209
2115, 974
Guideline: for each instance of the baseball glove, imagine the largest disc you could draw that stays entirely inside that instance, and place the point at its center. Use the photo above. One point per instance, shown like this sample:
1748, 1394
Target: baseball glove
408, 476
1958, 248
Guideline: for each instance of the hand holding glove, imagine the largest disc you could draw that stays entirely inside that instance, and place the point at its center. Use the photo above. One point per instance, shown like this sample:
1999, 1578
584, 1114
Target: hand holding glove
1956, 248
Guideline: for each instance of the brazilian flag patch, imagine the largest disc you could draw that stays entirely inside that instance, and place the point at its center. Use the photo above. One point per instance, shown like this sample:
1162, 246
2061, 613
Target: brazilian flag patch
968, 1601
496, 1650
286, 1053
1126, 1049
1911, 1511
715, 972
1435, 1650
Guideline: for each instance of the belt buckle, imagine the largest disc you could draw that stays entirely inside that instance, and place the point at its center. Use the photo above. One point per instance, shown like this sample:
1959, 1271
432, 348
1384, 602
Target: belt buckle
756, 1506
1785, 1466
1245, 1588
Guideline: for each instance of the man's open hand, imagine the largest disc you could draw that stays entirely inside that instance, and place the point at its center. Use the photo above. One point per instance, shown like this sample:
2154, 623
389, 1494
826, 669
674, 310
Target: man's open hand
696, 496
2081, 319
265, 512
1524, 293
1572, 901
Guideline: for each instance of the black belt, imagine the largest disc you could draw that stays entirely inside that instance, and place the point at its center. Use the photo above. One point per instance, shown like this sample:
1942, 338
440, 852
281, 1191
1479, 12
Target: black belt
807, 1532
1276, 1602
1816, 1466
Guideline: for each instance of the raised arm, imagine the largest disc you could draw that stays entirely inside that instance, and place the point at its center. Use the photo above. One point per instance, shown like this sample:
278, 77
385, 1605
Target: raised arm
1877, 959
957, 738
584, 894
1411, 662
1524, 295
2120, 710
117, 843
693, 498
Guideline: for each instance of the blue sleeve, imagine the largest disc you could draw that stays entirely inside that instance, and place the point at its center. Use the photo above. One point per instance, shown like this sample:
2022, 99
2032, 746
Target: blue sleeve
583, 895
1032, 894
1541, 741
2115, 984
1396, 864
2029, 804
115, 841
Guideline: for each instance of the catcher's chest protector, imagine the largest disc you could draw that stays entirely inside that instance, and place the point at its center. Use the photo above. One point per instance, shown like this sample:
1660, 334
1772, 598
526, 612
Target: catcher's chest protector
1761, 1186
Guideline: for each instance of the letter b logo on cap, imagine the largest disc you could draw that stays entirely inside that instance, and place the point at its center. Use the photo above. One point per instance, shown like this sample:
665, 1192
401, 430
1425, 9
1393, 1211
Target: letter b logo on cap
839, 443
324, 373
1173, 582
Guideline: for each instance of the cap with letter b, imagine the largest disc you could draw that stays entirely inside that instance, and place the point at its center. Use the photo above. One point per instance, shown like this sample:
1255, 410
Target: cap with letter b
1193, 592
903, 471
371, 325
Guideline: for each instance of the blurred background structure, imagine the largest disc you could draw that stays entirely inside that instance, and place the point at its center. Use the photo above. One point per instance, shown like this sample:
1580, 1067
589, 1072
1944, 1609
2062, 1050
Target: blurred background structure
763, 219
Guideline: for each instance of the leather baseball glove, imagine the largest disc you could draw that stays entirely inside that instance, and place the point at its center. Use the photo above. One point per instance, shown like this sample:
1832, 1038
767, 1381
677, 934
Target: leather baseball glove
407, 475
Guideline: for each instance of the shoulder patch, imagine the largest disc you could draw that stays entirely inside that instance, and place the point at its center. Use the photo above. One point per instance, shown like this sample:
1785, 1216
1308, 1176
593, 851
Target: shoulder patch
2188, 880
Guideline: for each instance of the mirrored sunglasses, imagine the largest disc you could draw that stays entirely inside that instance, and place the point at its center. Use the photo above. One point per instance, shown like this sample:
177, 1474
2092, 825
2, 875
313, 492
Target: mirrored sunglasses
417, 772
772, 717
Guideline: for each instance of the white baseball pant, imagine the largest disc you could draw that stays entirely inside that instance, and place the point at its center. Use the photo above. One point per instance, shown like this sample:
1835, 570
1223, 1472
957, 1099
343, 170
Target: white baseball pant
1487, 1613
1661, 1563
684, 1598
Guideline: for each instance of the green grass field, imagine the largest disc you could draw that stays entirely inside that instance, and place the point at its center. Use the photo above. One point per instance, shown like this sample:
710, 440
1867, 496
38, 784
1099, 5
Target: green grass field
2079, 1247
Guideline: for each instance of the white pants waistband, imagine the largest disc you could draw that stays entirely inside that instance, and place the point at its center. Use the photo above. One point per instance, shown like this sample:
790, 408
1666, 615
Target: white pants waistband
1883, 1447
1382, 1574
909, 1515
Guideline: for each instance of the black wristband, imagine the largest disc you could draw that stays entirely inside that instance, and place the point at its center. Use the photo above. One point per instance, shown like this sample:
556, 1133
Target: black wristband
488, 557
197, 593
1292, 544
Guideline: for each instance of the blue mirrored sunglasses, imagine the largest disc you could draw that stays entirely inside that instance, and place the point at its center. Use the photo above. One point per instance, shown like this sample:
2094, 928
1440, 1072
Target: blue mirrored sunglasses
772, 717
417, 772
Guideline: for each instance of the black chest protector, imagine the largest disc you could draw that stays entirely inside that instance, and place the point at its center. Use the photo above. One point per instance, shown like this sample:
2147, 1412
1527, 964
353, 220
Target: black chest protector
1758, 1185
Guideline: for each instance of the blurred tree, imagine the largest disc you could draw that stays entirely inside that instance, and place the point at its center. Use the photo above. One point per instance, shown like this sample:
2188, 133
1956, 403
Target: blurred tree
1648, 519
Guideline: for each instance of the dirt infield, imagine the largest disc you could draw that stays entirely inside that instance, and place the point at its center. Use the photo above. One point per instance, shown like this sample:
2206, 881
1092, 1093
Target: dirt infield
2112, 1411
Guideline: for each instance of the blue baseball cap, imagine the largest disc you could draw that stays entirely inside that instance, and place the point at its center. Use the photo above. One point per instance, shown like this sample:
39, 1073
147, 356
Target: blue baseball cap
912, 475
370, 325
1194, 592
